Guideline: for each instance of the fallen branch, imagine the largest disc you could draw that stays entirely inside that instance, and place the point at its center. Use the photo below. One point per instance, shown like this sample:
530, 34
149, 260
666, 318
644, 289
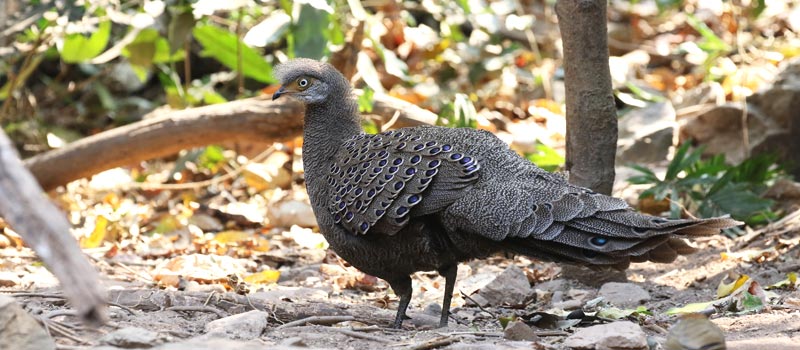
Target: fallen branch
318, 320
254, 119
45, 229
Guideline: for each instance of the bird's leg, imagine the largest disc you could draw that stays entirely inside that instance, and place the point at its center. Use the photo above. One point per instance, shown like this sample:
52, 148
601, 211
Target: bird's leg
449, 273
402, 288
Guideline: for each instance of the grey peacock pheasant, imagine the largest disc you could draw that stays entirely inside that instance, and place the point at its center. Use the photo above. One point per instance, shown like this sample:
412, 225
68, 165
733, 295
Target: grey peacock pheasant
427, 198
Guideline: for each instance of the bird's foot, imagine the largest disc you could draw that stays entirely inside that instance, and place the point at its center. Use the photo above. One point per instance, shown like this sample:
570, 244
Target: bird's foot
398, 321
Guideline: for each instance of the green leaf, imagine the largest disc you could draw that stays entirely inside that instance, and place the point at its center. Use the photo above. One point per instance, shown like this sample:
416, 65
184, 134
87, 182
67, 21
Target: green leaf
648, 176
222, 46
674, 166
78, 48
761, 5
179, 28
711, 43
22, 76
546, 158
370, 127
366, 101
310, 37
212, 158
751, 302
690, 308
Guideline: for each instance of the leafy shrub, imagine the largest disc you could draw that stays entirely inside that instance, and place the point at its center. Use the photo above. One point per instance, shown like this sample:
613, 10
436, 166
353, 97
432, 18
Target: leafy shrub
712, 188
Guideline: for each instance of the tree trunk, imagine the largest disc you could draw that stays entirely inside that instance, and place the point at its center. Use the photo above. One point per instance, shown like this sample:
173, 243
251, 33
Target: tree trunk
45, 229
591, 113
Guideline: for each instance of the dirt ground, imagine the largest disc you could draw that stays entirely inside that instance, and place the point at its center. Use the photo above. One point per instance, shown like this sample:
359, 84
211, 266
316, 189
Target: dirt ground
367, 309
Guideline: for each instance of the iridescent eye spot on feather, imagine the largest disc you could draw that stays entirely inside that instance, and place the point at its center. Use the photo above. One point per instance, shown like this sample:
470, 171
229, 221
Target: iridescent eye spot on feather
465, 160
446, 148
419, 147
430, 143
398, 185
599, 241
382, 162
415, 159
402, 210
411, 171
413, 199
397, 161
348, 216
364, 226
640, 230
456, 156
431, 172
434, 163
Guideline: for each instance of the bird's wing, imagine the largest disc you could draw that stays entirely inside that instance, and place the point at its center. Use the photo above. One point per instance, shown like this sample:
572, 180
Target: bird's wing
378, 179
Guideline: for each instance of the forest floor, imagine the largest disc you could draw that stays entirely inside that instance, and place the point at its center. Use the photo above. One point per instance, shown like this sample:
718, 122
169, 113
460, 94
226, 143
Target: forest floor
168, 300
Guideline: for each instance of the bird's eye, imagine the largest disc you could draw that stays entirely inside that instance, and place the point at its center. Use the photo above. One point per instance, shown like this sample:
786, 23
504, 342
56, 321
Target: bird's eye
302, 83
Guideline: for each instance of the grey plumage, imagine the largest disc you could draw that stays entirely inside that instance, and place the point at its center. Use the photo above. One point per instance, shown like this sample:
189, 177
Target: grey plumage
427, 198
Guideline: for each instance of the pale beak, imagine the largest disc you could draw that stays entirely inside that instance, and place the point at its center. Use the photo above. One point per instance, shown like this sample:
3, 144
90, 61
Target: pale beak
279, 93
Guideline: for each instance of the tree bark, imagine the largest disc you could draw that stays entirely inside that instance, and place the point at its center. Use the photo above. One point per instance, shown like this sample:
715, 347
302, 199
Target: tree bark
45, 229
591, 113
254, 119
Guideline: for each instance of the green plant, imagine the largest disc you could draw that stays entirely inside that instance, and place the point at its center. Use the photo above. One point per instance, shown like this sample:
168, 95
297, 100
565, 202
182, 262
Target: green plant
711, 187
546, 158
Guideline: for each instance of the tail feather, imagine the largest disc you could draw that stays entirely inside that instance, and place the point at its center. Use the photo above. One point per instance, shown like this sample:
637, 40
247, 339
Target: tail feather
617, 238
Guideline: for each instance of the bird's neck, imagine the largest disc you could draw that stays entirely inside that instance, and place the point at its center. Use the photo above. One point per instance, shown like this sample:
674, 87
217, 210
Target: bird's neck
327, 125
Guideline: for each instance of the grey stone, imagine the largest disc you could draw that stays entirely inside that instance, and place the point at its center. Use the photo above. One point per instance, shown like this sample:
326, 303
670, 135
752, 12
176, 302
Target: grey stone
131, 338
645, 135
626, 295
19, 330
202, 343
623, 335
511, 288
244, 326
519, 331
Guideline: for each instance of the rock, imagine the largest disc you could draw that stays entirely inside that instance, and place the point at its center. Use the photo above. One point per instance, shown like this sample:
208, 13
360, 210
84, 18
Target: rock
291, 212
131, 338
694, 331
519, 331
625, 295
19, 330
772, 121
510, 288
624, 335
552, 285
645, 135
591, 277
720, 130
244, 326
202, 343
206, 222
